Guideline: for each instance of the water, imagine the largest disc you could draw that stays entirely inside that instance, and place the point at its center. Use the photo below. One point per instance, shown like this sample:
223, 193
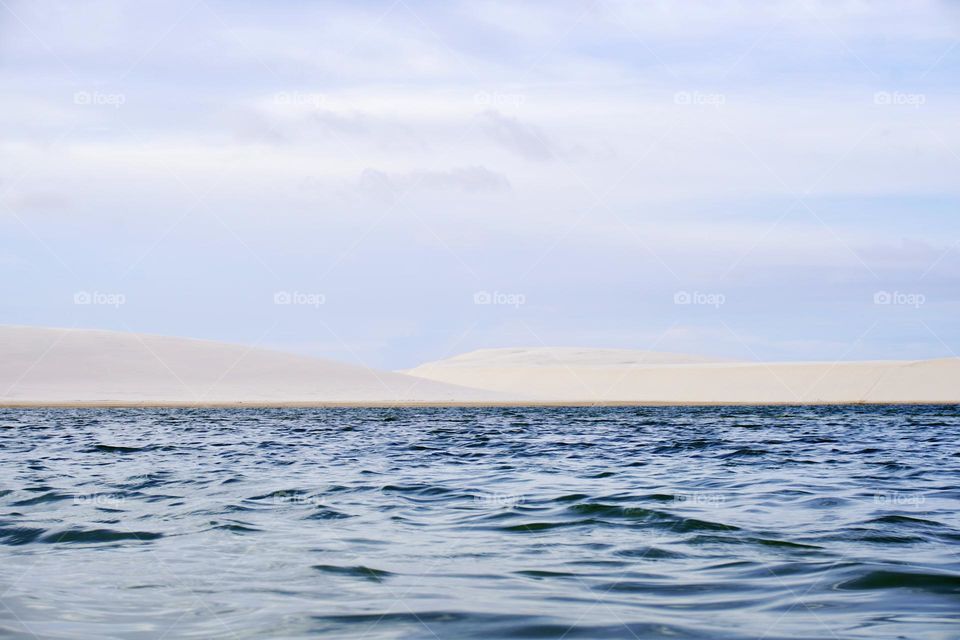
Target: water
831, 522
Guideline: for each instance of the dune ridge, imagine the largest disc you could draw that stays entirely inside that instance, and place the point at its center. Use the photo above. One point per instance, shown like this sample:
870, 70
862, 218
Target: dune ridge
79, 367
614, 376
49, 367
582, 356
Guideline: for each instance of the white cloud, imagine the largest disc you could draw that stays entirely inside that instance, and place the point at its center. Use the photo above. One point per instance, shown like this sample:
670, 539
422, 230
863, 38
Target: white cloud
527, 140
512, 131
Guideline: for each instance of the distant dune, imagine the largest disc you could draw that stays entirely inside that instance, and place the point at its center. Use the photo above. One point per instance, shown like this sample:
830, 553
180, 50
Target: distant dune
623, 376
557, 356
41, 366
46, 367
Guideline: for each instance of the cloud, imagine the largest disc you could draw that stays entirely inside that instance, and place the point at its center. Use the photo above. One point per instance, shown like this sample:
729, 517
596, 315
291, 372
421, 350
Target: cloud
376, 184
475, 179
38, 201
291, 124
523, 139
354, 123
471, 179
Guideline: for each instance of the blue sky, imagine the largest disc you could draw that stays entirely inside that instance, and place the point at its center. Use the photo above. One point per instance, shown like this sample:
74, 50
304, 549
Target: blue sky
787, 169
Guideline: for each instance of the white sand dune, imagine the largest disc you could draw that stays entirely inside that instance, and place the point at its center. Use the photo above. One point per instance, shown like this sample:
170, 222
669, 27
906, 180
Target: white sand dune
619, 376
43, 366
557, 356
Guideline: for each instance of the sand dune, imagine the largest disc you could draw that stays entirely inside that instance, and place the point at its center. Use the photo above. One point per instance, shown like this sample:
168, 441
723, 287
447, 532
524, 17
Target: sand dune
605, 375
42, 366
557, 356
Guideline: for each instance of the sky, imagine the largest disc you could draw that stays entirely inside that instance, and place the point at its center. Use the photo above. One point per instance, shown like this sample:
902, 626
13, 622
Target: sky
388, 183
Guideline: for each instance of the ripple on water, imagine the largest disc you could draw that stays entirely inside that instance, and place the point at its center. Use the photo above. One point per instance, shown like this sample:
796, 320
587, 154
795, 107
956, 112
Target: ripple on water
358, 571
674, 522
940, 583
96, 536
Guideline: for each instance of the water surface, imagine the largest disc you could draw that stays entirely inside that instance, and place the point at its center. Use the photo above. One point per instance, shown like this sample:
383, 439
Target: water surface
830, 522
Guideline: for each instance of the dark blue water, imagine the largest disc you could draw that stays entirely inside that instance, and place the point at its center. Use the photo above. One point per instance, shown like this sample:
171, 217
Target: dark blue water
832, 522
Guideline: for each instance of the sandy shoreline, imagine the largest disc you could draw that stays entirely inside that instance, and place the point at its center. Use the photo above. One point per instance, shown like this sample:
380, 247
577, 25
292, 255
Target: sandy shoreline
440, 405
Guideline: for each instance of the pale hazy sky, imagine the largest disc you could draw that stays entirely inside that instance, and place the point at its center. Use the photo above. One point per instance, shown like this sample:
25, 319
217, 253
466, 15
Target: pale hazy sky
779, 165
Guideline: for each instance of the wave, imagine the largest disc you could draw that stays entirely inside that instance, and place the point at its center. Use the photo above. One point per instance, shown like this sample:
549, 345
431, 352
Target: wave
95, 536
941, 583
358, 571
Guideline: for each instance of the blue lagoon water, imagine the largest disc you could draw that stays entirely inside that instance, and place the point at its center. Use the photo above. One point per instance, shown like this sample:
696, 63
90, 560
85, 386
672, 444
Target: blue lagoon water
720, 522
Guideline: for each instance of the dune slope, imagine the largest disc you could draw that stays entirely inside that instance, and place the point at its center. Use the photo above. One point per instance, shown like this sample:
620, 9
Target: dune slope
560, 356
603, 375
43, 366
